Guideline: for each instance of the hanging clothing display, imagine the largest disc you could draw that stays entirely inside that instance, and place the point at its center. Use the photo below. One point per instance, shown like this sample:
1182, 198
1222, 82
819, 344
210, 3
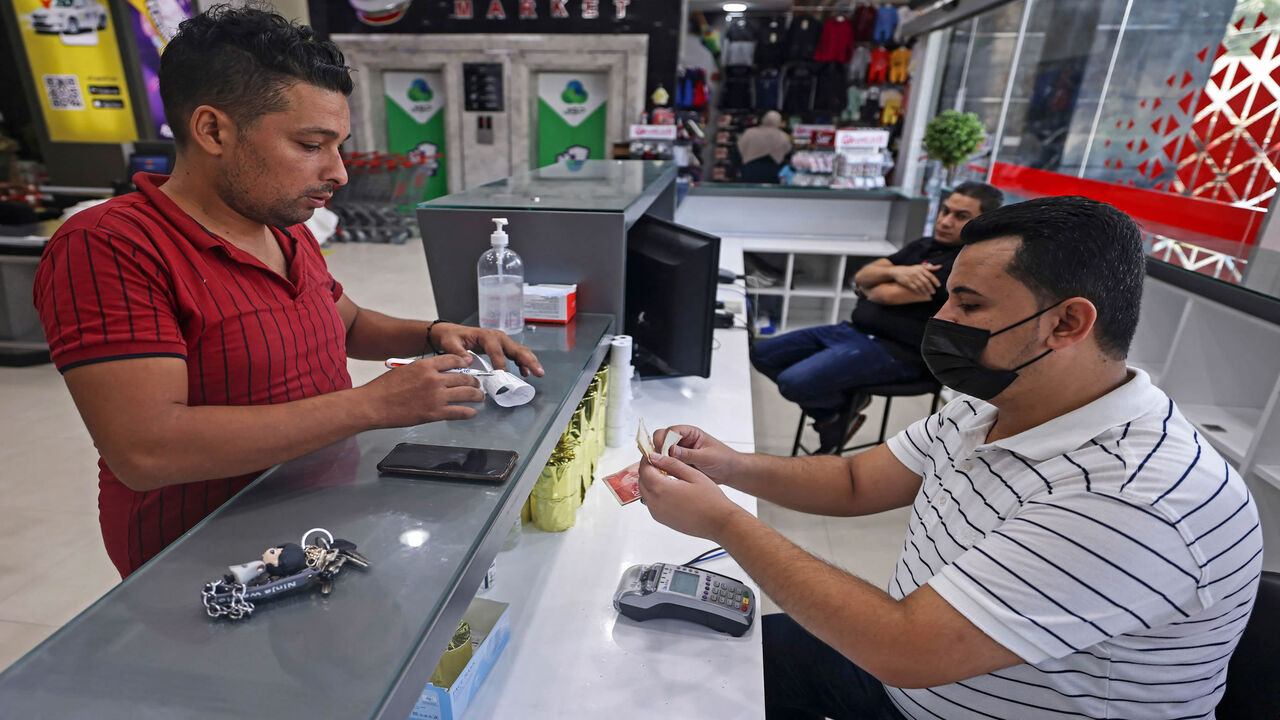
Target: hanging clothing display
802, 38
771, 45
830, 94
853, 104
739, 44
869, 113
836, 43
892, 110
736, 92
878, 70
797, 94
864, 23
859, 64
768, 87
899, 62
905, 15
886, 23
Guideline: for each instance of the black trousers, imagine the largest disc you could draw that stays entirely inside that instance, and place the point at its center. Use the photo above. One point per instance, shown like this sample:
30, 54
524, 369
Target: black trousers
804, 678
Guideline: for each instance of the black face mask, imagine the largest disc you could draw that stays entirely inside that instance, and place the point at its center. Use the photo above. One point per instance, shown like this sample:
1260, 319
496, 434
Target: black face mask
951, 351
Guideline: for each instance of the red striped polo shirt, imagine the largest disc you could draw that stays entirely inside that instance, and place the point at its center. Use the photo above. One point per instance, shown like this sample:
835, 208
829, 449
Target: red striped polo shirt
138, 277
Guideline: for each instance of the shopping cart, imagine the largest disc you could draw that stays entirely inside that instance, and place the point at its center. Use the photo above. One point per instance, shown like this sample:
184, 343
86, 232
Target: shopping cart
377, 203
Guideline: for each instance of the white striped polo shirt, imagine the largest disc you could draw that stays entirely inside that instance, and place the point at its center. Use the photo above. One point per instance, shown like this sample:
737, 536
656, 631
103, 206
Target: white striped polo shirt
1111, 548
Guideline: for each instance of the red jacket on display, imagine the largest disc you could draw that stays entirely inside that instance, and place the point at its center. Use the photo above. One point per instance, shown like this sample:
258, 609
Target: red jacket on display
878, 71
836, 44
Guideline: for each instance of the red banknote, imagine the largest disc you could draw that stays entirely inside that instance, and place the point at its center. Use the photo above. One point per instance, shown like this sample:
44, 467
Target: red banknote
625, 484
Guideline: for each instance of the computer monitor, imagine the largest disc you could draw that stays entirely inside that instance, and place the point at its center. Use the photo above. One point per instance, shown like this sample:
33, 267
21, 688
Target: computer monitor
151, 163
672, 273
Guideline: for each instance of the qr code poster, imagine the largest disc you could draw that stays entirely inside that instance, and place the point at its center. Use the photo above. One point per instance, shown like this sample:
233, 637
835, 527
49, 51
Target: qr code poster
76, 70
63, 92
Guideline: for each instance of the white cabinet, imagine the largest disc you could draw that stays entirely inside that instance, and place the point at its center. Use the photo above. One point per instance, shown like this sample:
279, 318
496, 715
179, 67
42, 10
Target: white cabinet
811, 282
1222, 367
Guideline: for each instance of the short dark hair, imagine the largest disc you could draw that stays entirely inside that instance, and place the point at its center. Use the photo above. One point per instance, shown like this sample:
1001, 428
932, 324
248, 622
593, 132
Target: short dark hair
989, 198
1074, 247
241, 61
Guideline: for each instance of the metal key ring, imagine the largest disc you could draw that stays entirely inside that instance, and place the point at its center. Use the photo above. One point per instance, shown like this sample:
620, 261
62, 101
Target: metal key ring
328, 536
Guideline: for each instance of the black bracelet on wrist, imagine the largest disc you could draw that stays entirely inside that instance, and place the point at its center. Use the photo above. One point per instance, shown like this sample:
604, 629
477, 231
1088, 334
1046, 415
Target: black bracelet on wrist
430, 344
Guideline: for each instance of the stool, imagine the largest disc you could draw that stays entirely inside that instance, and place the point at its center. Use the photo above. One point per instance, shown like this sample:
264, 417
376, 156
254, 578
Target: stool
928, 386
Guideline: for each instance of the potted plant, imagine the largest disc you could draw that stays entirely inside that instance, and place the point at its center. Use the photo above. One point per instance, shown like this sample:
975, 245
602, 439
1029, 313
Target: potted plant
951, 137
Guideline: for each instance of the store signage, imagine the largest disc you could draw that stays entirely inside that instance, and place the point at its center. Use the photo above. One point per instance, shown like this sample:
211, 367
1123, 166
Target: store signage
572, 112
823, 138
528, 9
862, 139
415, 126
154, 25
652, 132
804, 132
75, 64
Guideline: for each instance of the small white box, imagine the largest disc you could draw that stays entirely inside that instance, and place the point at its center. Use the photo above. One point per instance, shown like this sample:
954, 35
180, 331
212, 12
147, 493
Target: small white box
550, 303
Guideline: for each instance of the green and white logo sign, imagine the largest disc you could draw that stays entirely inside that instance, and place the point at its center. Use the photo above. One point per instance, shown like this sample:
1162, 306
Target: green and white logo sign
571, 116
415, 127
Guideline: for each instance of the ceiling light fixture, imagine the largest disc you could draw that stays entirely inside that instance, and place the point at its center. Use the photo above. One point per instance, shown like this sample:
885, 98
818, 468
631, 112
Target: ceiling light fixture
734, 7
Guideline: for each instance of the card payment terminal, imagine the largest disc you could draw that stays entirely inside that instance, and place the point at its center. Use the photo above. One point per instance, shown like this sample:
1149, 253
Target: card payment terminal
685, 593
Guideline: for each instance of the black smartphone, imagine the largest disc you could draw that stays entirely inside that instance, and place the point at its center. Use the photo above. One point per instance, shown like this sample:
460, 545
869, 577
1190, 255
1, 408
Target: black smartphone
449, 462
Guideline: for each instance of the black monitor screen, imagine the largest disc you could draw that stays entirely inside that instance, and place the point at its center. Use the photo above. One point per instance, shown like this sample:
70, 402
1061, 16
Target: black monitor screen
671, 297
159, 164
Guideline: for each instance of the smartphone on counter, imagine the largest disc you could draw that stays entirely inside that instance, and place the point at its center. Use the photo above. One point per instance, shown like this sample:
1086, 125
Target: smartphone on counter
446, 462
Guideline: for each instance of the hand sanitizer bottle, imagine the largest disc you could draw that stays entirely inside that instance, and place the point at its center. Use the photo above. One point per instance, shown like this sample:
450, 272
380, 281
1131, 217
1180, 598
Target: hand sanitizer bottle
500, 273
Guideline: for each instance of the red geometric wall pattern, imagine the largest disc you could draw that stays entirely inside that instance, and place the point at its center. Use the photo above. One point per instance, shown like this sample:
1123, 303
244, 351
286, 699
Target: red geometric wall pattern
1226, 147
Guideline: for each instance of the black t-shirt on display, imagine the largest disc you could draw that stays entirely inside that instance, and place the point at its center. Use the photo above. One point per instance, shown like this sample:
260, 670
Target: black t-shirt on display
771, 48
736, 94
802, 38
901, 327
797, 96
831, 94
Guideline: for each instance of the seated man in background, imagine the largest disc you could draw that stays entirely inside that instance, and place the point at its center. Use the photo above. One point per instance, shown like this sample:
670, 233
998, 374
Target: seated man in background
1074, 548
195, 322
821, 368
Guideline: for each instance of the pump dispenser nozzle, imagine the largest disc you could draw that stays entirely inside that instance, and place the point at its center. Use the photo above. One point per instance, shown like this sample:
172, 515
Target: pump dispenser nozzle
499, 236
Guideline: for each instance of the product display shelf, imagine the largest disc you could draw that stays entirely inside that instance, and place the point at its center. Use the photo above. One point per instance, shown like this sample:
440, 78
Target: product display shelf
806, 242
811, 285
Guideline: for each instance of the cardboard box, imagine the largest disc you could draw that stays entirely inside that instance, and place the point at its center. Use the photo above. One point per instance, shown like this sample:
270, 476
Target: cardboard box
490, 630
550, 303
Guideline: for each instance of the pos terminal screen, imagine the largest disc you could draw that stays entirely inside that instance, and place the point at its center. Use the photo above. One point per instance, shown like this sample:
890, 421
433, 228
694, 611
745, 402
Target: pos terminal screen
684, 583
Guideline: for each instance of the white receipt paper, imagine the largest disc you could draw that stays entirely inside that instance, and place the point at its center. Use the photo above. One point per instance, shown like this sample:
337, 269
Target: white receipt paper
506, 389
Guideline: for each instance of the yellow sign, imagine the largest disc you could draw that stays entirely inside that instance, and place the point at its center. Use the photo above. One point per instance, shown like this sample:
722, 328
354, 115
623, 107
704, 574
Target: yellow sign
75, 63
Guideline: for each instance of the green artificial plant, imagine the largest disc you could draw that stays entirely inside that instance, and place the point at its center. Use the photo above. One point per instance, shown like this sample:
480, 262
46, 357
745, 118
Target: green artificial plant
951, 138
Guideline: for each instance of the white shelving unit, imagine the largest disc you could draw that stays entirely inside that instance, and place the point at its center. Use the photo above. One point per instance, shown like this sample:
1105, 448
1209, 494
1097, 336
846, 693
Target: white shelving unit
1222, 367
814, 286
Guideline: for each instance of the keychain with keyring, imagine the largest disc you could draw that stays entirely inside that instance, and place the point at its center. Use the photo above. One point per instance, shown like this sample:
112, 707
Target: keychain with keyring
283, 570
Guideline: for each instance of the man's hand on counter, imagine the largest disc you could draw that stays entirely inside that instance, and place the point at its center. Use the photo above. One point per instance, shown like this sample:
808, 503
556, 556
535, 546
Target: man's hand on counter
458, 339
685, 499
422, 392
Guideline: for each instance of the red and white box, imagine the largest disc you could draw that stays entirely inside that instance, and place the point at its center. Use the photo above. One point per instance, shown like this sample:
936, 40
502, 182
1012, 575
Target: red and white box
550, 303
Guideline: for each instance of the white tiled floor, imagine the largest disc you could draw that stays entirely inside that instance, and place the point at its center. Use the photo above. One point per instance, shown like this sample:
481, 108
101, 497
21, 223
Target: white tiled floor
53, 565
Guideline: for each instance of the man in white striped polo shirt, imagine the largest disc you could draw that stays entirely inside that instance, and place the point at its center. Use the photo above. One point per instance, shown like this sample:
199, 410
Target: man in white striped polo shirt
1075, 549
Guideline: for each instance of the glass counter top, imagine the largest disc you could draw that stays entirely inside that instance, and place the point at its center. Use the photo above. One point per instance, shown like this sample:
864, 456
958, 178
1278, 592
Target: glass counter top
147, 648
584, 185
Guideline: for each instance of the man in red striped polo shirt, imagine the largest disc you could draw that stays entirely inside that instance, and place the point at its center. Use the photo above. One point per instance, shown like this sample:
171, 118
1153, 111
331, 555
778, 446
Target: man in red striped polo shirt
195, 323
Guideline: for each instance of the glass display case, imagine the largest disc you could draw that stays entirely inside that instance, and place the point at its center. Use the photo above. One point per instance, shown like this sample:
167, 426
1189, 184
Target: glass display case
148, 649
